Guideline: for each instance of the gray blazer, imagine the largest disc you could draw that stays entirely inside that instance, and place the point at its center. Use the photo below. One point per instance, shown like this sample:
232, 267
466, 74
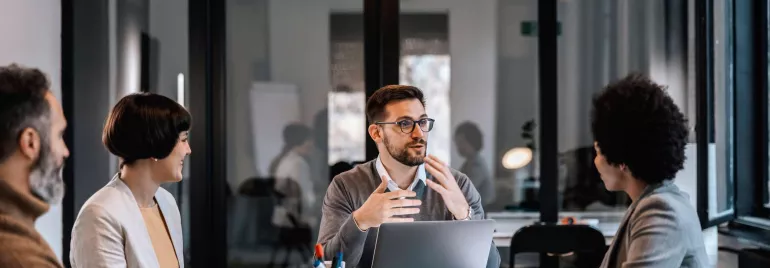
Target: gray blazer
661, 229
110, 230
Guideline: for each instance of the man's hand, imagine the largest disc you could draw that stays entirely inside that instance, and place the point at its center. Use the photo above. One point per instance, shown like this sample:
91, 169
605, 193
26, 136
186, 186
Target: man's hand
380, 207
447, 187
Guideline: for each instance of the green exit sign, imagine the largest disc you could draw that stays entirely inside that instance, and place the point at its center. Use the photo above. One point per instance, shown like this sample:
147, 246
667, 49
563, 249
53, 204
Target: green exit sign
529, 28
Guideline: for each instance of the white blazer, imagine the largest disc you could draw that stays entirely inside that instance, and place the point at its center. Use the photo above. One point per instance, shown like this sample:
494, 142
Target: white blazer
110, 230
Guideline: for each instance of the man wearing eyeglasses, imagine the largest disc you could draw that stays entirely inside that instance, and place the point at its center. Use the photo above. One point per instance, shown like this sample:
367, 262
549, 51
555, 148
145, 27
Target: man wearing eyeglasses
403, 184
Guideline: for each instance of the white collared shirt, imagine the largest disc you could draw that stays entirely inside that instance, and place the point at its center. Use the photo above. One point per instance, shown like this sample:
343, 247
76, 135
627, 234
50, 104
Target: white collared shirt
392, 186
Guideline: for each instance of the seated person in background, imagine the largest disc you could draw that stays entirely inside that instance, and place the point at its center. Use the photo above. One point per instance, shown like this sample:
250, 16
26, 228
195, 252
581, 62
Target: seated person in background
392, 188
469, 141
292, 179
640, 136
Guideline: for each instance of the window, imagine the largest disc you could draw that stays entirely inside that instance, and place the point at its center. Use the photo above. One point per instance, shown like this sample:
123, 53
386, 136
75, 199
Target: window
767, 182
295, 99
751, 113
424, 63
430, 73
721, 133
347, 101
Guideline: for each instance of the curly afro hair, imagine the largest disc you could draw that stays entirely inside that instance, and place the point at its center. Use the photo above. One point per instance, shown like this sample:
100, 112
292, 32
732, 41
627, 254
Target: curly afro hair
636, 123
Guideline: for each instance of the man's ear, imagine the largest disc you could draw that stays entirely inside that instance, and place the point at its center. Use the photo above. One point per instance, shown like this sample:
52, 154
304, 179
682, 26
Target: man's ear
29, 143
375, 133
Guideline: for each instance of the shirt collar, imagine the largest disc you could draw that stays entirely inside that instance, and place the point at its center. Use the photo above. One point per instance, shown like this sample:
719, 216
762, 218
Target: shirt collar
392, 186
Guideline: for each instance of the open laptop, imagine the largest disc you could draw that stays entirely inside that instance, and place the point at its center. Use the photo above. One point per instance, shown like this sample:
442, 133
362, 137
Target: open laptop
461, 244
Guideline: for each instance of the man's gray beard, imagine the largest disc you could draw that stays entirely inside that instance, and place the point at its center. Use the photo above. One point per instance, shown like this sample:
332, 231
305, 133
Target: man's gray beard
45, 180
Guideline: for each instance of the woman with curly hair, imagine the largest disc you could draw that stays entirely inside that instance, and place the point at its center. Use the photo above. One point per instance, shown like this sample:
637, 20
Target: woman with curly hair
640, 137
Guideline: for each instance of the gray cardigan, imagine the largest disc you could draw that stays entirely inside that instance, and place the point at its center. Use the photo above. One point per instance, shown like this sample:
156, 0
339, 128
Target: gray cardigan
349, 190
661, 229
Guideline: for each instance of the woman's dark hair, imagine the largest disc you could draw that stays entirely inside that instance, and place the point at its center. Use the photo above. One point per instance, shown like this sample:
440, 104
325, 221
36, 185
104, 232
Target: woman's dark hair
294, 135
375, 106
144, 125
637, 124
472, 134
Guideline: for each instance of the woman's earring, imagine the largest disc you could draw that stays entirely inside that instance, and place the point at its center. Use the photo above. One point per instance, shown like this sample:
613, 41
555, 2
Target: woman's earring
156, 160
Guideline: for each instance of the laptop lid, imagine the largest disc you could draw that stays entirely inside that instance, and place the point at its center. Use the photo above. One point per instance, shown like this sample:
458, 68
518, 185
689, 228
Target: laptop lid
461, 244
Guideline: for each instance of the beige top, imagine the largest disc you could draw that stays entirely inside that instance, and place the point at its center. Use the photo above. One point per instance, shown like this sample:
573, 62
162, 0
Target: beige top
161, 240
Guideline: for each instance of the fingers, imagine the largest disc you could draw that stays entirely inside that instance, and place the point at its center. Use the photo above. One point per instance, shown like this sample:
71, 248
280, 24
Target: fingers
399, 194
383, 185
436, 187
441, 172
440, 165
399, 220
403, 203
438, 175
403, 211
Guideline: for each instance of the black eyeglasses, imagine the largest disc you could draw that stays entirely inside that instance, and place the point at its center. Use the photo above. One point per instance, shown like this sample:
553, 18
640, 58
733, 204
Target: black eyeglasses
407, 125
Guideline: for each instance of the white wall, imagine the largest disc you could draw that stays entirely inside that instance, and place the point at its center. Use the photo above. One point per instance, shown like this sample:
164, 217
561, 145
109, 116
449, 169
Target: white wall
31, 31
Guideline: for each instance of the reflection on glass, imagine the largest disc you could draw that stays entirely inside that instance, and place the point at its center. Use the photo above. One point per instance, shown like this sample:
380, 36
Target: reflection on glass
280, 73
430, 73
479, 77
594, 49
347, 133
469, 141
346, 137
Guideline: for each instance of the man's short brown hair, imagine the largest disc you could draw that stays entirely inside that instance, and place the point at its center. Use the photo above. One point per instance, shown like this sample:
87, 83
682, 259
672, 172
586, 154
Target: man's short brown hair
375, 106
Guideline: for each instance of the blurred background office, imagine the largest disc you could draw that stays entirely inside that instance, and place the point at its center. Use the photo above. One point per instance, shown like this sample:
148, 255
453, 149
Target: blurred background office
250, 69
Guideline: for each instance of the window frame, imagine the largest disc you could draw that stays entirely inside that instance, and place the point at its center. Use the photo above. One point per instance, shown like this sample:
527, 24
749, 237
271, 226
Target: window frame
705, 108
751, 116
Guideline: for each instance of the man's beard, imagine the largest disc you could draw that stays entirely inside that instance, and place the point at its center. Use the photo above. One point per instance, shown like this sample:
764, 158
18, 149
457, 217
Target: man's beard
45, 180
402, 154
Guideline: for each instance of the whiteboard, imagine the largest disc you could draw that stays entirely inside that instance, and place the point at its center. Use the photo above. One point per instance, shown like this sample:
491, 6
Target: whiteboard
273, 106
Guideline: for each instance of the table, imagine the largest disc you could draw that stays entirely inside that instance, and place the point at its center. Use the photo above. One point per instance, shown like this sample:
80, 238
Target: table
507, 223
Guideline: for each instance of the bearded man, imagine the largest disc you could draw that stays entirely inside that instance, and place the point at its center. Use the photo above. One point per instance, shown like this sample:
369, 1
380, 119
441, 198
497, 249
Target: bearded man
32, 153
402, 185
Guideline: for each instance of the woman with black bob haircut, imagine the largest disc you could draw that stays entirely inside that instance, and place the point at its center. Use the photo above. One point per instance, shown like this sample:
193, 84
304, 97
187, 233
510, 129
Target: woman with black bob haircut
640, 137
132, 221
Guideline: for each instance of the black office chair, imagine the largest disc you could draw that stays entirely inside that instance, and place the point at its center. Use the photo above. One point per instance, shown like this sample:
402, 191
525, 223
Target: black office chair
297, 238
339, 168
262, 190
558, 240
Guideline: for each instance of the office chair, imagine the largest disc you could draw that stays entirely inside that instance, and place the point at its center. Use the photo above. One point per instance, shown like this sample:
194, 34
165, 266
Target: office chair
338, 168
262, 191
558, 240
298, 237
